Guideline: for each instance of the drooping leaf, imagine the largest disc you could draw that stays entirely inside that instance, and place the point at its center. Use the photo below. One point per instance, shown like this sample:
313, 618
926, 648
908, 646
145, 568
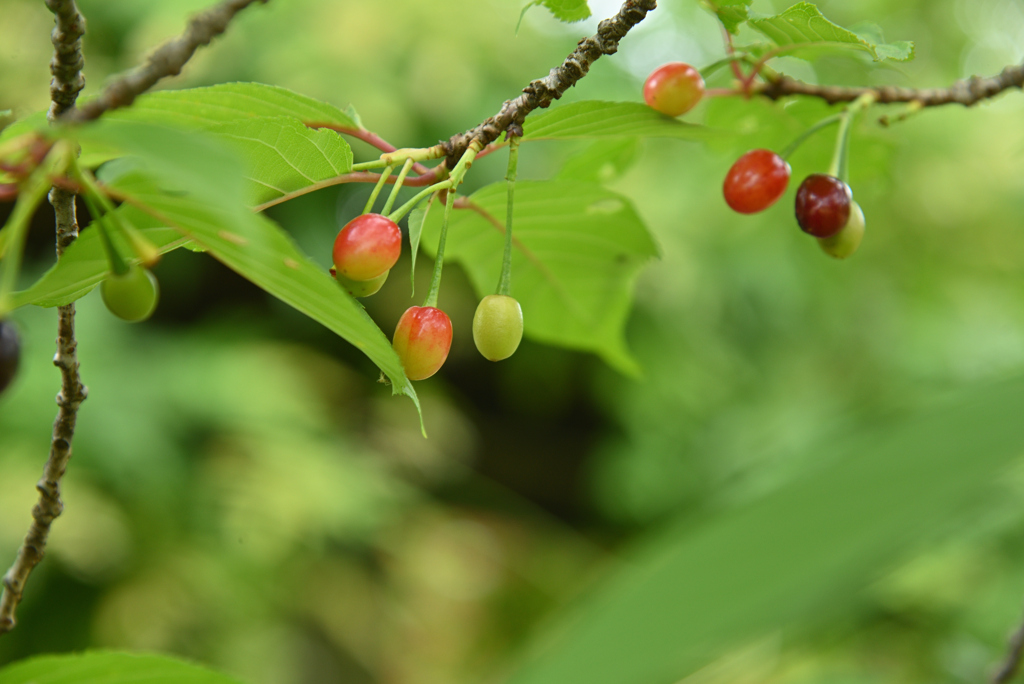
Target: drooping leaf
258, 250
107, 667
595, 119
803, 26
577, 251
282, 155
688, 594
731, 13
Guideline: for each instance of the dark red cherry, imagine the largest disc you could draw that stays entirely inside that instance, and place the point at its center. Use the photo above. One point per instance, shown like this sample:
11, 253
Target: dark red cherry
756, 181
823, 205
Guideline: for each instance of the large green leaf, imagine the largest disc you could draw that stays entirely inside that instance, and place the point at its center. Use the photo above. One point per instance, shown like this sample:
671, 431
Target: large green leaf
803, 26
578, 249
690, 593
282, 155
595, 119
227, 102
105, 667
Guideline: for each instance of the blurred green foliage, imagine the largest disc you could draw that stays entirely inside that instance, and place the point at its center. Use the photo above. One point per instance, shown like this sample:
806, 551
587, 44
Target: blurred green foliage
243, 493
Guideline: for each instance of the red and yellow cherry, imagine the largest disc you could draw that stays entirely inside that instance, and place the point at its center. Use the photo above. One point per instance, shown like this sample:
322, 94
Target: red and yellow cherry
847, 240
674, 88
823, 205
497, 327
422, 340
756, 181
368, 246
10, 353
131, 296
361, 288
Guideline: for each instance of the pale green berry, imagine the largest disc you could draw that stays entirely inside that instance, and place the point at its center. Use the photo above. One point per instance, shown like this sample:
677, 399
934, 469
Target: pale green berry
847, 240
497, 327
131, 296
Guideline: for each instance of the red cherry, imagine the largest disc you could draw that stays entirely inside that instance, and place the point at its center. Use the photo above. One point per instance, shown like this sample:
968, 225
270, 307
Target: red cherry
674, 88
367, 246
422, 339
10, 353
756, 181
823, 205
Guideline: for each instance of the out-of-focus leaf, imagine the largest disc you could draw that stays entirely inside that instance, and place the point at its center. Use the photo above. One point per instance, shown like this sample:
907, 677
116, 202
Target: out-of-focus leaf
689, 593
282, 155
803, 26
564, 10
577, 251
260, 251
595, 119
105, 667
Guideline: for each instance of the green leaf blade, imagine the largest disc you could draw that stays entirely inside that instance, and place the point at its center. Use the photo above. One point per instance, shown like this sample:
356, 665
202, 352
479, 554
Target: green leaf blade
577, 251
109, 667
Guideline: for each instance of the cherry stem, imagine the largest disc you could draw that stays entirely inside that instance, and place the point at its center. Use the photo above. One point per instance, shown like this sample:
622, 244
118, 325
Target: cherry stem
144, 250
398, 214
505, 281
397, 186
377, 188
435, 280
792, 147
117, 263
840, 158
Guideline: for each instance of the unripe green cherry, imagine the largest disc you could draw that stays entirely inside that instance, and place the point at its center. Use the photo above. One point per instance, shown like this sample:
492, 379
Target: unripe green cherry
422, 340
132, 296
497, 327
847, 240
361, 288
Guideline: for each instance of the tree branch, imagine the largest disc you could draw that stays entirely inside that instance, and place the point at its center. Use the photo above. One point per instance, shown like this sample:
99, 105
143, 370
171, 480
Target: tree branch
166, 60
542, 92
67, 82
966, 92
1008, 668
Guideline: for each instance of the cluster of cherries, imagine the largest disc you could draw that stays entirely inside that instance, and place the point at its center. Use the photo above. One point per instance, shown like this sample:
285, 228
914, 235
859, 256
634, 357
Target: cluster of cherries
824, 204
364, 252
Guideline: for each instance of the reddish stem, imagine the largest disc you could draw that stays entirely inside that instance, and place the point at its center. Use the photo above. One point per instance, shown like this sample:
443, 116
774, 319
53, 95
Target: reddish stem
367, 137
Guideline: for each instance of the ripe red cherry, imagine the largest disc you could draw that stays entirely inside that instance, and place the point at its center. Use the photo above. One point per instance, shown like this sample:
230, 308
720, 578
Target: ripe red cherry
10, 353
756, 181
823, 205
422, 340
367, 246
674, 88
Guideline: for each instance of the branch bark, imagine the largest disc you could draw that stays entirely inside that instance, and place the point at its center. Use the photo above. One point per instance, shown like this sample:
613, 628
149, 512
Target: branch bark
67, 82
1011, 664
965, 92
166, 60
542, 92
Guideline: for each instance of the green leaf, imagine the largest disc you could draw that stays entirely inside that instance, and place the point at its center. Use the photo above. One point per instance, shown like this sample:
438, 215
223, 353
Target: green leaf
595, 119
282, 155
106, 667
602, 162
568, 11
84, 264
803, 26
258, 250
731, 13
227, 102
690, 592
577, 251
416, 219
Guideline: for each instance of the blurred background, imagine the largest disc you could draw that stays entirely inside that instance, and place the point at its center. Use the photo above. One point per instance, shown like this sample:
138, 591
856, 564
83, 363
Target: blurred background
243, 492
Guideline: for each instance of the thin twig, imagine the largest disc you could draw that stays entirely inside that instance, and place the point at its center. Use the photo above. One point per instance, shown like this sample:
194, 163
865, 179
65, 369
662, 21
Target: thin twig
1008, 668
542, 92
965, 92
166, 60
67, 82
367, 137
